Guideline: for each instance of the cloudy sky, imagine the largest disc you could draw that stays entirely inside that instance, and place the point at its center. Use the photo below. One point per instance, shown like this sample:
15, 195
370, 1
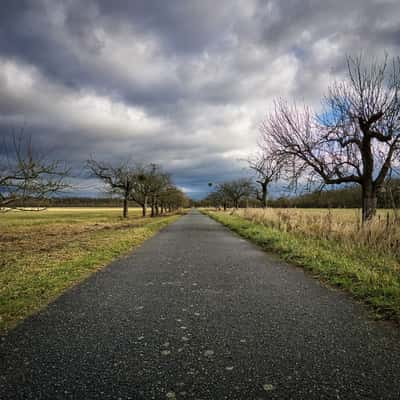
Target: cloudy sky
184, 83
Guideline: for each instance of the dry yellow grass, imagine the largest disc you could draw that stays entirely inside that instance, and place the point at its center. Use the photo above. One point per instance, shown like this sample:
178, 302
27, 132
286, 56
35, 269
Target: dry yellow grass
364, 260
381, 235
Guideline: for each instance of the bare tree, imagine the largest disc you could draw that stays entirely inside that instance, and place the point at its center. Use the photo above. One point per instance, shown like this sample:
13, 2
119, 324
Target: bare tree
235, 190
356, 138
25, 176
142, 188
159, 182
142, 183
119, 179
267, 167
172, 198
148, 182
218, 198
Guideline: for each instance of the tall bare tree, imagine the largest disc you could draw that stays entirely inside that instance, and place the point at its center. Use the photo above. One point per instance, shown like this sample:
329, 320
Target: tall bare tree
119, 179
267, 167
354, 140
25, 175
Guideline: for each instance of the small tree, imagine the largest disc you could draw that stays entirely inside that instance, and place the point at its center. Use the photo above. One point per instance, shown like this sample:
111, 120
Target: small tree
119, 179
172, 198
267, 167
235, 190
149, 181
217, 199
141, 188
355, 140
159, 182
26, 176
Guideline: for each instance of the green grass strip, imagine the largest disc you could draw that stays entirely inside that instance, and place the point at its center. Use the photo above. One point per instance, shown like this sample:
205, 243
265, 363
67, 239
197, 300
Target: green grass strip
373, 279
26, 286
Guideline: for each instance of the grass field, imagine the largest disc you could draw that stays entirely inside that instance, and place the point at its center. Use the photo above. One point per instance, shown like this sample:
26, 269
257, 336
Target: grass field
43, 253
364, 260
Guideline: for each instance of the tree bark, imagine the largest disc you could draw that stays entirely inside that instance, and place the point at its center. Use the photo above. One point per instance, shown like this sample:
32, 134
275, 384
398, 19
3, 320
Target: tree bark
125, 210
263, 198
369, 202
144, 207
264, 195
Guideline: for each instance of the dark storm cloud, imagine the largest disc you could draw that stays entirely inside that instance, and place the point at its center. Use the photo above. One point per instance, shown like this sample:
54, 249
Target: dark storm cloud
183, 83
183, 26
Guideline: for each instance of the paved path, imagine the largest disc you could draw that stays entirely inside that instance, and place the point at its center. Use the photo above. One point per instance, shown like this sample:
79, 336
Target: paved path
198, 313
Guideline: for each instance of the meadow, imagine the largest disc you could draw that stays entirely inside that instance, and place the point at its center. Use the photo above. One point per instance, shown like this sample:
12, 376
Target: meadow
334, 246
42, 253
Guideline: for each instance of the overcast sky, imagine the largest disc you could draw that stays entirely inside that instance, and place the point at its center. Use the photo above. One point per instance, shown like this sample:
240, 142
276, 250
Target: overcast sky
181, 83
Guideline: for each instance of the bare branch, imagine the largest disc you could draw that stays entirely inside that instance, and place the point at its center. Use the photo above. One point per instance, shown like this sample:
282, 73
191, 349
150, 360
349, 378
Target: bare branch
26, 176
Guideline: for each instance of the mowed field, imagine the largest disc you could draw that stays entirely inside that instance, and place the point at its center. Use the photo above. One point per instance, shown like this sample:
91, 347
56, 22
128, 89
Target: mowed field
42, 253
334, 246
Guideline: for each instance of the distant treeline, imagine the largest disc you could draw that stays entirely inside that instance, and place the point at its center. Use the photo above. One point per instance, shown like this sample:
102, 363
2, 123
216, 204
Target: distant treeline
348, 197
339, 198
73, 202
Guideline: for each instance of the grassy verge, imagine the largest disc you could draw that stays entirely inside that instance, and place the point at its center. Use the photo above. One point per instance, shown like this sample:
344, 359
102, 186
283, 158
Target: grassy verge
44, 253
373, 278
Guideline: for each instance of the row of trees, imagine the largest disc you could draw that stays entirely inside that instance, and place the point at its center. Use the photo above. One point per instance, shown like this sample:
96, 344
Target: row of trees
145, 184
353, 139
27, 179
230, 193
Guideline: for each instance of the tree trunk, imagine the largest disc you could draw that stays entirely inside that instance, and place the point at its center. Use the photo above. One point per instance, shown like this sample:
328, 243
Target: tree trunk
224, 205
144, 208
125, 211
369, 202
152, 208
264, 196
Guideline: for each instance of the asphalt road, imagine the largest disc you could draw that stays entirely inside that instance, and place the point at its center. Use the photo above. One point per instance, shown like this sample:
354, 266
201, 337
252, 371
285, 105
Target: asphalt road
199, 313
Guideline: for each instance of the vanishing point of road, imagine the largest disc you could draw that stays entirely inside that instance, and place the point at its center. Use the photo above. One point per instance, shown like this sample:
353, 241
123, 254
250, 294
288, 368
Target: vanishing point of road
199, 313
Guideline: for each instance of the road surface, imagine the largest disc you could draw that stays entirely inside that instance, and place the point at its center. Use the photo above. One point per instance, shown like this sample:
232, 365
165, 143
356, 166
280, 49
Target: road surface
199, 313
